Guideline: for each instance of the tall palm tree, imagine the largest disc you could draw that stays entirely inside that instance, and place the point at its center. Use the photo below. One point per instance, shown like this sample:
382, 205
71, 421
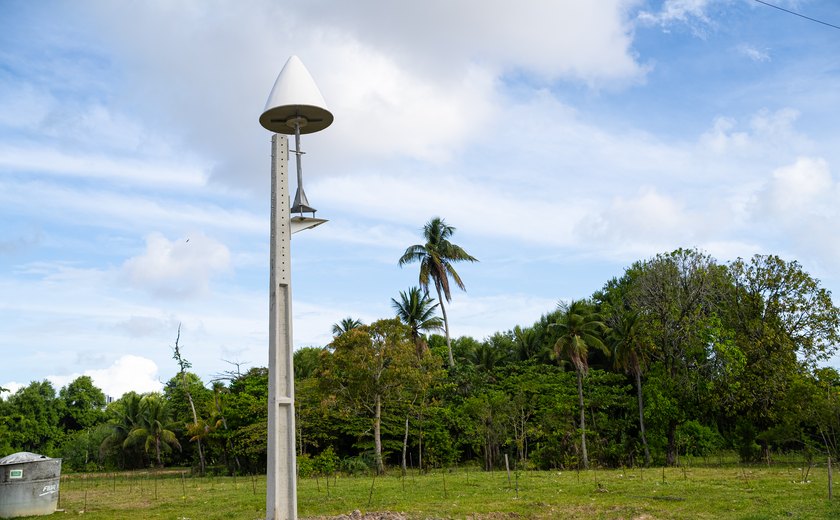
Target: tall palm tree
417, 310
154, 426
629, 353
436, 257
345, 325
580, 329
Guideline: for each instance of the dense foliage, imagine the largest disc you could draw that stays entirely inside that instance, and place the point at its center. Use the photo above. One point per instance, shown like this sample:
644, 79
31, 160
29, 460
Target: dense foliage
680, 355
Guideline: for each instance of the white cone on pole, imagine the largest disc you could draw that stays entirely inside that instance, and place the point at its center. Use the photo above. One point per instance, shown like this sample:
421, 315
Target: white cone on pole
295, 95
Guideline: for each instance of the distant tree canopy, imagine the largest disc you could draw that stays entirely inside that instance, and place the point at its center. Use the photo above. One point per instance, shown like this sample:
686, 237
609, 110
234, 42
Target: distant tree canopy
680, 355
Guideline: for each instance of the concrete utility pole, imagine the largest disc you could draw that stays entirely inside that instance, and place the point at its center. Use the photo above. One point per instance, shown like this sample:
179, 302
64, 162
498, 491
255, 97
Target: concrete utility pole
295, 106
282, 488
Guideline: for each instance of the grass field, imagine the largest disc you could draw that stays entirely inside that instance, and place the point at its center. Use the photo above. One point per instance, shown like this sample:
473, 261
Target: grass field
753, 492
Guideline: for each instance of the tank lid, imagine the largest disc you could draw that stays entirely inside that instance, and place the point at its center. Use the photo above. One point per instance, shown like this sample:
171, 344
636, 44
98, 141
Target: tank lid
22, 456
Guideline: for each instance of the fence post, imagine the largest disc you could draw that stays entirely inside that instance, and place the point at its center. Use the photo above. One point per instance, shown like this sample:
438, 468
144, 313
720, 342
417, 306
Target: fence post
507, 467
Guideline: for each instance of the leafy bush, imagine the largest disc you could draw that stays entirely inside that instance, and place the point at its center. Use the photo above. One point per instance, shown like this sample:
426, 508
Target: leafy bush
305, 466
327, 462
697, 440
355, 465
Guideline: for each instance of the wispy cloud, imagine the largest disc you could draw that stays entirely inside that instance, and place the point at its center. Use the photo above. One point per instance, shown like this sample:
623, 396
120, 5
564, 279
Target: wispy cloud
110, 169
753, 53
691, 12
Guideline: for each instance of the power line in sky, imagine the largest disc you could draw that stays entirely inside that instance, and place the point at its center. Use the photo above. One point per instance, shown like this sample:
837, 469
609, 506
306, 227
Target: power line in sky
796, 14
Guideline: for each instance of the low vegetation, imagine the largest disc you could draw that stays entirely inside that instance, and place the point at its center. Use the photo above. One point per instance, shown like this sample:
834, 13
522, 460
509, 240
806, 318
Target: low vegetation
783, 490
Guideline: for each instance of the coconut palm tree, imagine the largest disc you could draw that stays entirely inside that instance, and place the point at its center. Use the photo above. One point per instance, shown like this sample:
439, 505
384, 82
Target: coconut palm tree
580, 329
629, 354
154, 426
345, 325
126, 416
487, 356
436, 257
417, 310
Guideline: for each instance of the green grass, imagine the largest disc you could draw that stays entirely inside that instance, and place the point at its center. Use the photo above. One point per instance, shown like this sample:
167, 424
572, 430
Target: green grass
754, 492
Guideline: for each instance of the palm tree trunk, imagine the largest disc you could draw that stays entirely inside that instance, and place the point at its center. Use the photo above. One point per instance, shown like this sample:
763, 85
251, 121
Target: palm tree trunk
445, 327
377, 435
584, 456
642, 416
157, 452
201, 462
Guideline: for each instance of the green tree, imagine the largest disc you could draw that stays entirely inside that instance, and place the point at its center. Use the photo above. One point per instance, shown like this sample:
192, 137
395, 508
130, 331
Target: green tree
580, 329
416, 310
80, 448
246, 414
83, 404
784, 323
154, 430
32, 418
677, 296
485, 418
345, 325
372, 366
436, 257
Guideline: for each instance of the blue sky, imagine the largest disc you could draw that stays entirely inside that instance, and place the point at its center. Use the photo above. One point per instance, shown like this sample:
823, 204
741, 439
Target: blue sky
564, 140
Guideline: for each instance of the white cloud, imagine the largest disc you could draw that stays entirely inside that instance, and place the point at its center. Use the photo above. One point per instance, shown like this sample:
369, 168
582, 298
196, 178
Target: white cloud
179, 268
764, 132
648, 220
128, 373
385, 108
801, 190
396, 89
723, 137
585, 41
801, 202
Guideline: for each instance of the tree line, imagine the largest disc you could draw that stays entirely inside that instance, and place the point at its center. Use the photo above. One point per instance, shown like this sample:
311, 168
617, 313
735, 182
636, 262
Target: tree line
680, 355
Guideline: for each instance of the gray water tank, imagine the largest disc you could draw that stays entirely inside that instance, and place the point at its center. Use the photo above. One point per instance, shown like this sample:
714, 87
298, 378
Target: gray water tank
28, 485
